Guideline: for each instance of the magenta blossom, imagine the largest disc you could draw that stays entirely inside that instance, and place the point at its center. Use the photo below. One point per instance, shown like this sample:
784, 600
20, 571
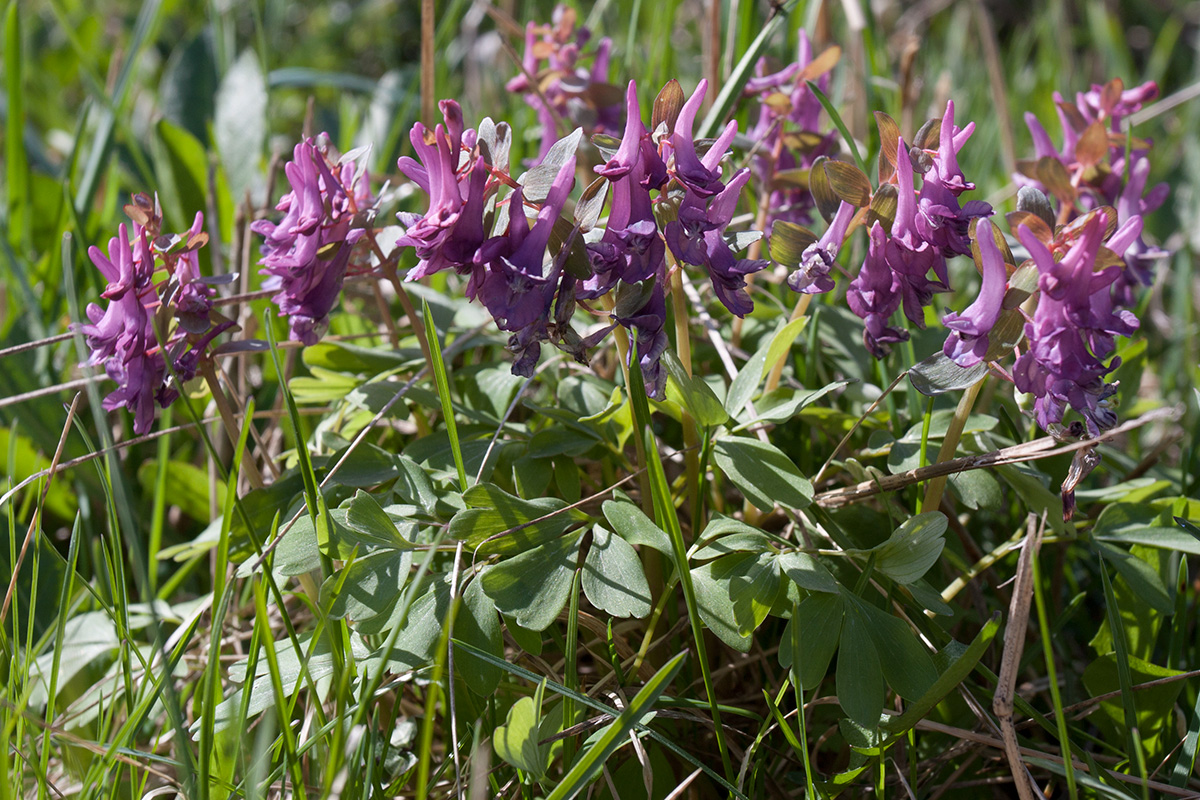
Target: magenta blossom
812, 276
968, 341
565, 89
1071, 333
151, 336
874, 295
780, 123
450, 232
306, 253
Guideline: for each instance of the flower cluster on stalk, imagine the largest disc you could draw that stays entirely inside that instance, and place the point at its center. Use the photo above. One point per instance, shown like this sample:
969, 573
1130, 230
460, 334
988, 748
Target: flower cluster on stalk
306, 254
1071, 333
665, 196
555, 83
929, 225
786, 136
1099, 164
159, 319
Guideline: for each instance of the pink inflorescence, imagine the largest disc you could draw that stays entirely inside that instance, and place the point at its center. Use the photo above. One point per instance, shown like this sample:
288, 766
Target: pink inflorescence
151, 335
306, 253
557, 85
522, 280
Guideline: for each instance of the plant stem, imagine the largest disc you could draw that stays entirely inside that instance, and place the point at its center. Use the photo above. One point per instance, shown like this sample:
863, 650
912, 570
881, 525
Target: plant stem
229, 418
691, 436
621, 338
777, 368
933, 494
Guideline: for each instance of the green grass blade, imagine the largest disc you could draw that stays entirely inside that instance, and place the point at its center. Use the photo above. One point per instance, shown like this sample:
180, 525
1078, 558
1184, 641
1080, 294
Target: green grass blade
17, 162
668, 520
443, 387
590, 702
1124, 676
732, 90
1060, 718
832, 111
592, 761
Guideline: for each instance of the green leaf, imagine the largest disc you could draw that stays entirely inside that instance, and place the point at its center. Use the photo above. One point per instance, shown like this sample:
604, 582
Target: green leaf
907, 665
496, 511
370, 585
534, 586
962, 662
716, 606
367, 465
527, 640
1143, 580
298, 551
422, 628
746, 382
365, 517
820, 619
517, 740
783, 404
240, 122
635, 527
939, 375
860, 688
613, 578
590, 764
977, 489
763, 472
782, 341
913, 548
806, 572
752, 581
478, 626
1155, 704
691, 392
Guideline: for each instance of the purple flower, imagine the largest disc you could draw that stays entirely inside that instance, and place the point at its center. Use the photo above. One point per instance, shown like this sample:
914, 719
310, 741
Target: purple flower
812, 276
697, 237
1140, 257
1071, 332
123, 336
905, 252
874, 295
565, 89
307, 252
700, 175
450, 232
968, 342
940, 220
631, 249
512, 276
796, 120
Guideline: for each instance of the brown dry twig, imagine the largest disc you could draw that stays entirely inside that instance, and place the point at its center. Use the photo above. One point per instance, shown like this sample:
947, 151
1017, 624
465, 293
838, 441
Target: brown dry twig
1045, 447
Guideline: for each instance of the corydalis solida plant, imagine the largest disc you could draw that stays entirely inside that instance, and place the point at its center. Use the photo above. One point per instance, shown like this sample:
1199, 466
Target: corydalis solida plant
153, 333
306, 254
665, 196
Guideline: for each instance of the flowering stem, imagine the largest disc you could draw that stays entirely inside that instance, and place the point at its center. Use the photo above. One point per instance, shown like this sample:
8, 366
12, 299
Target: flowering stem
230, 421
385, 313
621, 338
760, 220
933, 494
411, 311
691, 437
777, 368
